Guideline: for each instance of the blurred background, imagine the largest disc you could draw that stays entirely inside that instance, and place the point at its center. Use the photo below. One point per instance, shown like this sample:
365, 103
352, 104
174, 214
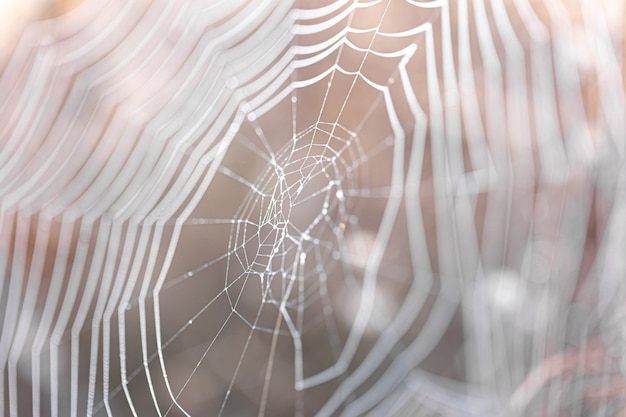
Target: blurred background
312, 208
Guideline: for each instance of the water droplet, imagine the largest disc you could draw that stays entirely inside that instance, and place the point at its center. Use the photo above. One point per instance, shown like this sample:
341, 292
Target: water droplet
232, 82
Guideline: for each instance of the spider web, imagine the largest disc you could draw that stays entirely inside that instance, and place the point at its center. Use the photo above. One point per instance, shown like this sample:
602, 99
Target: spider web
355, 208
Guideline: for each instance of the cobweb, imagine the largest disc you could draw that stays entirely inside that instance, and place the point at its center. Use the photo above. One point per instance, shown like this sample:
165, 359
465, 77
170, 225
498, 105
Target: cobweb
269, 208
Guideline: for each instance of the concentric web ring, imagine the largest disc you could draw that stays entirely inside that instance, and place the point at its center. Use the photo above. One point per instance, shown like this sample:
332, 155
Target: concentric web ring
277, 208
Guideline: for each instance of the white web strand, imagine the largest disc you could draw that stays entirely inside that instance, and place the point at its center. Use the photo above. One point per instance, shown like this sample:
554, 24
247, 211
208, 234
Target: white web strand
289, 209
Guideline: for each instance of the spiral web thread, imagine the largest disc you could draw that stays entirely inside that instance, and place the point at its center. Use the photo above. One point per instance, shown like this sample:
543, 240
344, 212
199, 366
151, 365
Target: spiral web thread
354, 208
